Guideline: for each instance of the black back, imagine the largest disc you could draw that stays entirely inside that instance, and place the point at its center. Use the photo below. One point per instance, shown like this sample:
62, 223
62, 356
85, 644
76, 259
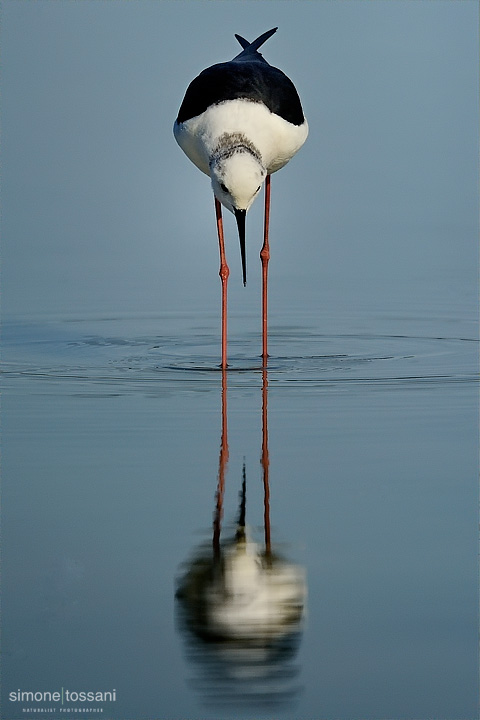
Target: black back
253, 80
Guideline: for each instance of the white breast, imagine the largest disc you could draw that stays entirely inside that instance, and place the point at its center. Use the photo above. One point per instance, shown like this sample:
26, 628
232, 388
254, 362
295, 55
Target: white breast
276, 139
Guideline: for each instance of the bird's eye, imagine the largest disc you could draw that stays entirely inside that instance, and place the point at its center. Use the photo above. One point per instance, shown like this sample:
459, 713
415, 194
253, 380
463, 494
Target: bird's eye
224, 187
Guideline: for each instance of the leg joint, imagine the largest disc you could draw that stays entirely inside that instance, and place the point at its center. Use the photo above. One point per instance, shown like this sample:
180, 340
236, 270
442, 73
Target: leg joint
224, 272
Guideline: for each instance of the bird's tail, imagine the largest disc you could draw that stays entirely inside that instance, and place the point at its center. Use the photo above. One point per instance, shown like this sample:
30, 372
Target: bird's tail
252, 47
244, 43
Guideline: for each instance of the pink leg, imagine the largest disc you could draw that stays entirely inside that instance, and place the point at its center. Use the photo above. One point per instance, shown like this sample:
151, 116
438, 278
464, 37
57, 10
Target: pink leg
265, 257
265, 462
222, 467
224, 273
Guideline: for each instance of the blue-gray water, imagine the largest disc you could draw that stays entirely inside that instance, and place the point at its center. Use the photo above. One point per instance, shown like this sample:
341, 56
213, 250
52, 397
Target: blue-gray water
112, 438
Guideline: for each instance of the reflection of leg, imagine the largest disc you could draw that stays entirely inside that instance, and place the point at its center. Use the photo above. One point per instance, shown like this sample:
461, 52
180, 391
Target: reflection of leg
265, 461
224, 273
222, 466
265, 257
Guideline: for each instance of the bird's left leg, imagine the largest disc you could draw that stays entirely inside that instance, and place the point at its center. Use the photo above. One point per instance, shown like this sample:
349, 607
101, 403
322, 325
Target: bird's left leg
265, 257
224, 273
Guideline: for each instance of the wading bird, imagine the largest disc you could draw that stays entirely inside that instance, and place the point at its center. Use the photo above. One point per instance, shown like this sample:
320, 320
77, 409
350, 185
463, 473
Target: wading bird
239, 122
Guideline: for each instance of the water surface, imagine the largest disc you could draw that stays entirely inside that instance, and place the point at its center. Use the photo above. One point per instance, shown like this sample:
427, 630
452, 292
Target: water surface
118, 433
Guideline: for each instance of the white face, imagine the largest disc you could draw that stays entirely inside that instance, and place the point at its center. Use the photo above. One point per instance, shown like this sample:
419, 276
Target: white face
236, 181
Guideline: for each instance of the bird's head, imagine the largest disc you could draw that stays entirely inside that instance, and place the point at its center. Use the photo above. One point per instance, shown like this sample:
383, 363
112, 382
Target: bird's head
236, 182
237, 179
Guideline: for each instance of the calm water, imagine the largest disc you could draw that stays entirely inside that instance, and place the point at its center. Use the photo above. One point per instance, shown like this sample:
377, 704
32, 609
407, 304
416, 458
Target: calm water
340, 583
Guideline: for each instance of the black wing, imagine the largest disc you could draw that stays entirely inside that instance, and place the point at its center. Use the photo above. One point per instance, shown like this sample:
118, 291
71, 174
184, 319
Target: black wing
255, 81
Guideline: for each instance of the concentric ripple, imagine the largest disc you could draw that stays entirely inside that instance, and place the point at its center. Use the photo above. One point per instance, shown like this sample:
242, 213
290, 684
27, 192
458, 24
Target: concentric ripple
129, 353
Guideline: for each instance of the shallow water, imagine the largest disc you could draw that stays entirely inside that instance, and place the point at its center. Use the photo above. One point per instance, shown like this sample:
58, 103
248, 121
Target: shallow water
124, 452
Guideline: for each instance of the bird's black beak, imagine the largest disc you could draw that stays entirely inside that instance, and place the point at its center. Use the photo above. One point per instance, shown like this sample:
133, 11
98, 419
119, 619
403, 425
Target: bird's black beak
240, 216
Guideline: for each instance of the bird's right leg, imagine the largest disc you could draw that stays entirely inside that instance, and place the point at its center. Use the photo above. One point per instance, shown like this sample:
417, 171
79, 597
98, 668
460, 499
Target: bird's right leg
224, 273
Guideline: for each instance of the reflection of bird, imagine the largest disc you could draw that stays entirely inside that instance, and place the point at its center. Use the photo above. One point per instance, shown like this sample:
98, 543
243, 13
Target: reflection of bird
242, 608
239, 122
240, 603
244, 592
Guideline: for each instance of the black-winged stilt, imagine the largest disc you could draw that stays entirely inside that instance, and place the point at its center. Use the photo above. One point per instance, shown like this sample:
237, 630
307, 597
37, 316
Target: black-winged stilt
239, 122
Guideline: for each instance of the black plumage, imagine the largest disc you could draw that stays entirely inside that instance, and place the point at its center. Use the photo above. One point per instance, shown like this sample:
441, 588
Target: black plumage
246, 77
